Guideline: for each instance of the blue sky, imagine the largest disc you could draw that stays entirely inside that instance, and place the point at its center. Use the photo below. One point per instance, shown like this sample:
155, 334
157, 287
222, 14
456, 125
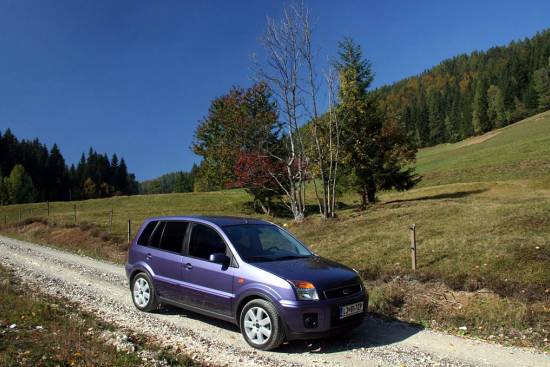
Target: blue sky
135, 77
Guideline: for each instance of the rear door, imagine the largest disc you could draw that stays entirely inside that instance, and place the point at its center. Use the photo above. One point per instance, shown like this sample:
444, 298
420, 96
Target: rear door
165, 258
209, 286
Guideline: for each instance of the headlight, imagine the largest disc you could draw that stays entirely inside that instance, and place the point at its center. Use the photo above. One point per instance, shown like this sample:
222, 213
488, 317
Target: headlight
305, 290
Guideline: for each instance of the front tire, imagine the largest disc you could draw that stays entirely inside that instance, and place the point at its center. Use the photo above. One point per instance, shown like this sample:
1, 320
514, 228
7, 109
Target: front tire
261, 325
143, 293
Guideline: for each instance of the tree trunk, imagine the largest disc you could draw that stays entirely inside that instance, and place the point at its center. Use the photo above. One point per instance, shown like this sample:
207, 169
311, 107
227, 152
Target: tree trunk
364, 199
371, 196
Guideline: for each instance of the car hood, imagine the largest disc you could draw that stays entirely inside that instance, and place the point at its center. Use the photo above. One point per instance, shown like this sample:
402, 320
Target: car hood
323, 273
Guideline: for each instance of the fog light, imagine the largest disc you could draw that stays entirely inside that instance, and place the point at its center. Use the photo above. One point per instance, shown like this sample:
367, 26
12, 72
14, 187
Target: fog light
311, 320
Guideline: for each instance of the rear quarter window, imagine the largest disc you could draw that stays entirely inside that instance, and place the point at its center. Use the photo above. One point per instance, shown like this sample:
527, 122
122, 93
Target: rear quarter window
154, 241
172, 238
143, 239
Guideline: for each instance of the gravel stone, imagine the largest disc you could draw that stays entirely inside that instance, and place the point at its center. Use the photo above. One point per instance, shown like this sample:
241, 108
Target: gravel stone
101, 288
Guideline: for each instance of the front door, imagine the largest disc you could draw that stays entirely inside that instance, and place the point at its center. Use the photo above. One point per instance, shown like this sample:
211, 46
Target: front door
209, 285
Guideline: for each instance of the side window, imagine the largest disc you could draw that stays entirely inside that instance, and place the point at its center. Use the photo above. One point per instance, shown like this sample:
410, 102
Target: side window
154, 241
205, 241
172, 238
146, 233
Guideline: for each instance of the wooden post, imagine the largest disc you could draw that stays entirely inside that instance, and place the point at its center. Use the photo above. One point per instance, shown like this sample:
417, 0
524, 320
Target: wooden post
111, 222
129, 230
5, 219
20, 214
74, 210
48, 209
413, 246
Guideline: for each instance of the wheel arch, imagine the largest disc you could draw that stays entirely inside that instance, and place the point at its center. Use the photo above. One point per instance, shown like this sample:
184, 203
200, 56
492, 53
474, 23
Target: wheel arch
244, 300
138, 270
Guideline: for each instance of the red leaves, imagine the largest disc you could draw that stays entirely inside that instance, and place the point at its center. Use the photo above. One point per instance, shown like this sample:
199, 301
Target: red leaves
255, 170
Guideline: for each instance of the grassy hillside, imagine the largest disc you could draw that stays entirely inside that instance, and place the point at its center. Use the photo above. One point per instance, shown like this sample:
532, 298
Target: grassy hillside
482, 214
518, 151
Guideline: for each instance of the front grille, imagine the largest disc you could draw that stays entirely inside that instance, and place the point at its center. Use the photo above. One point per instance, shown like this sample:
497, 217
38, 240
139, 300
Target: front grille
344, 291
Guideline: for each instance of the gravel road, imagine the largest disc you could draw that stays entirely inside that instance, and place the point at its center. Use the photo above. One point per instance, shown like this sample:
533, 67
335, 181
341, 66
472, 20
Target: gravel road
101, 287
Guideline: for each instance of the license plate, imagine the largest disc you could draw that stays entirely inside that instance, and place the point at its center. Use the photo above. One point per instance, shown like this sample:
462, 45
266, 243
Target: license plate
349, 310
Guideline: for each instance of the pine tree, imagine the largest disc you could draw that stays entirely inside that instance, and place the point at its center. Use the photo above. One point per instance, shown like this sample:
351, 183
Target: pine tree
542, 86
50, 175
375, 154
496, 112
480, 121
4, 191
121, 178
57, 176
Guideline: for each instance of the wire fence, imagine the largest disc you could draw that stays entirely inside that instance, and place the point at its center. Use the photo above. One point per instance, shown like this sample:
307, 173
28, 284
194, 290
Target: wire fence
108, 220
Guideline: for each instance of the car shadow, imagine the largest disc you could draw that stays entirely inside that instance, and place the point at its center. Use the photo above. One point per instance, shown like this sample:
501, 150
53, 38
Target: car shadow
445, 195
373, 332
175, 311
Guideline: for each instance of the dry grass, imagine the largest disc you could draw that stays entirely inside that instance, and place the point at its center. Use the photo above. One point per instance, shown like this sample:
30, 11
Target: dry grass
470, 236
482, 313
84, 238
36, 330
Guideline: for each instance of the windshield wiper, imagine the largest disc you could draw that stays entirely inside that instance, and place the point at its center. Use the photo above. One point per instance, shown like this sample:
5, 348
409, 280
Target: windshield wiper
259, 258
290, 257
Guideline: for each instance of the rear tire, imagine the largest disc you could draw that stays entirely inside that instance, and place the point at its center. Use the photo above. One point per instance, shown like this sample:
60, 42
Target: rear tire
261, 325
143, 293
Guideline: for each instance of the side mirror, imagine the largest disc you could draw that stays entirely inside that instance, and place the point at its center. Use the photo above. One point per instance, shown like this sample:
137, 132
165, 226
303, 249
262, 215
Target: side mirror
219, 258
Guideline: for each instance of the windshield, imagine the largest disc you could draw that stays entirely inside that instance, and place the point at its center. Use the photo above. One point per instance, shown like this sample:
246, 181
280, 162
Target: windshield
265, 242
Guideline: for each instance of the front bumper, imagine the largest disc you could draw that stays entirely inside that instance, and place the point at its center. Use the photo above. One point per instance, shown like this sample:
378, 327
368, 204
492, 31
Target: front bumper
328, 317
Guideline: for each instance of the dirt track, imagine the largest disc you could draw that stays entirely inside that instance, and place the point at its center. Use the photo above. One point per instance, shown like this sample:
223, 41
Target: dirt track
101, 287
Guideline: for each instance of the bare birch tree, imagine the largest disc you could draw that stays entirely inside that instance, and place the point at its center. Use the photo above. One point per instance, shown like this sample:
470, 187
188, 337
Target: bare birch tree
291, 72
334, 136
282, 73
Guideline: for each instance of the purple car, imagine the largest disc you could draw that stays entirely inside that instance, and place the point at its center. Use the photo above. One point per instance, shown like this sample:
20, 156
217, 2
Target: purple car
246, 271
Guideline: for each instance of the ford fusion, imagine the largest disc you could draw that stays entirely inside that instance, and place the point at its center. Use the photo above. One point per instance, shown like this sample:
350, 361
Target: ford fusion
249, 272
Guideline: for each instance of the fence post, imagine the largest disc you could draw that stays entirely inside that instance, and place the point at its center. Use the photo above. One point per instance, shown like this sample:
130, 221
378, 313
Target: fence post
413, 246
5, 219
48, 209
111, 222
129, 230
20, 214
74, 210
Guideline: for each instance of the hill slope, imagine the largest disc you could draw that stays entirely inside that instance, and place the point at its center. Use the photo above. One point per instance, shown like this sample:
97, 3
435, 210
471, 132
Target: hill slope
473, 93
518, 151
483, 225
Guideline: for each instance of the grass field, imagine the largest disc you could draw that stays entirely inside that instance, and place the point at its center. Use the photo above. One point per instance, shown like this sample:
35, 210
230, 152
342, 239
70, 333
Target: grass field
482, 213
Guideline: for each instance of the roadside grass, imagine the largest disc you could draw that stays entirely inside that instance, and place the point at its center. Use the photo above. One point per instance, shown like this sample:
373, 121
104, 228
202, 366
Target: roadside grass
483, 226
480, 314
83, 238
37, 330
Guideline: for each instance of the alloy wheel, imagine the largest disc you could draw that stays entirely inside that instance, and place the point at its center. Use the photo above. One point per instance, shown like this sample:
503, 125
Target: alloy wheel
142, 292
257, 325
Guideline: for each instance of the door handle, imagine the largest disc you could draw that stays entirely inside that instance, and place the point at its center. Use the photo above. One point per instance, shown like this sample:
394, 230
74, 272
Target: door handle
188, 266
148, 256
